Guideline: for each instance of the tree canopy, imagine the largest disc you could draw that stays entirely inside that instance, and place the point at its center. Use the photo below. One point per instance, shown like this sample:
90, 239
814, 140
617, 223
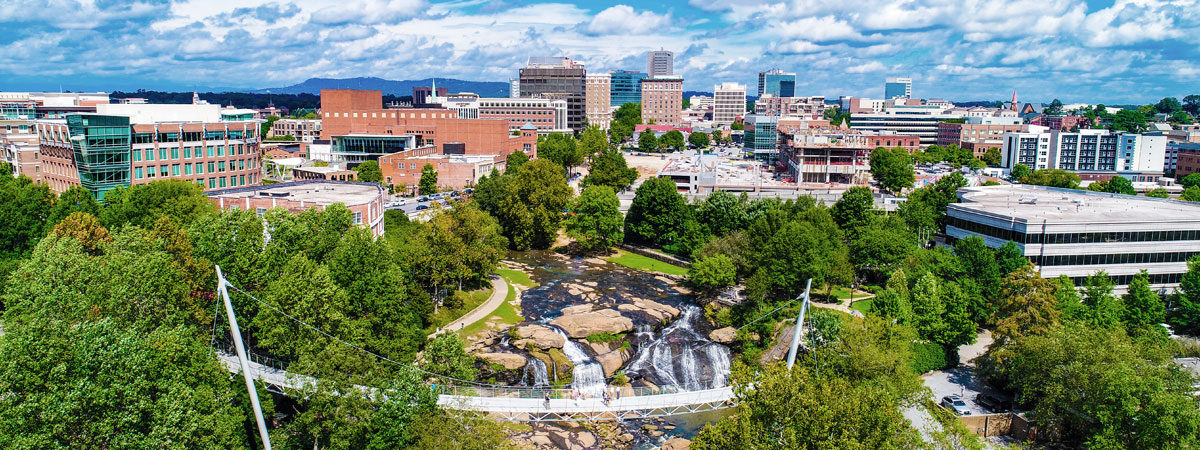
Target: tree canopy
892, 168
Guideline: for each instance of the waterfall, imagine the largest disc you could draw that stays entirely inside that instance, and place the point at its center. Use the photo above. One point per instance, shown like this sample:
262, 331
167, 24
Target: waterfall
680, 357
535, 373
588, 375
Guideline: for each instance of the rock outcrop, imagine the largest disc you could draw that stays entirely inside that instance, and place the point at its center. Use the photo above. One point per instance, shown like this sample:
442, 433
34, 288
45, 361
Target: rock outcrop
613, 361
677, 444
581, 325
723, 335
510, 361
655, 310
542, 336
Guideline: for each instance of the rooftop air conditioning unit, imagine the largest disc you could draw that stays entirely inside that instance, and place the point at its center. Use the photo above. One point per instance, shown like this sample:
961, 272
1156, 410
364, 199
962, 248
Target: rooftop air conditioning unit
1028, 200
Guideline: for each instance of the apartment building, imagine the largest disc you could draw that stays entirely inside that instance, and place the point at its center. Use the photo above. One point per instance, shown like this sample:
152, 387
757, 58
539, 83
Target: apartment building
729, 103
662, 100
598, 99
1094, 154
798, 107
124, 144
303, 130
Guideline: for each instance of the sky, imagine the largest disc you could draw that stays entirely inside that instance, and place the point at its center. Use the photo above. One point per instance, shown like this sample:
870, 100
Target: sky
1078, 51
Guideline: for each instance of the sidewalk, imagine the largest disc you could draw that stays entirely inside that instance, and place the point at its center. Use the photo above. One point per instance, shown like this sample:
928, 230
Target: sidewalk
499, 293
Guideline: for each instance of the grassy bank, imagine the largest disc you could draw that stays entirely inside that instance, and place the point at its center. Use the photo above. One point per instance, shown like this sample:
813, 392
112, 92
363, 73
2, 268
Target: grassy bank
446, 315
645, 264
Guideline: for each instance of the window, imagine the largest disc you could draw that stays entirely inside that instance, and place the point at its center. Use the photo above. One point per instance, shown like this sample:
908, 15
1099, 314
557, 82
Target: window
260, 212
220, 150
187, 169
210, 151
220, 166
222, 182
162, 154
137, 156
212, 167
175, 169
163, 171
358, 218
212, 183
137, 173
199, 168
241, 164
187, 152
150, 171
175, 153
149, 155
241, 180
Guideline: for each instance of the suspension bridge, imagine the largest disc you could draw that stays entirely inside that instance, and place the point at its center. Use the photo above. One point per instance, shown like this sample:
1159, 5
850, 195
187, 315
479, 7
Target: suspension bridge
517, 403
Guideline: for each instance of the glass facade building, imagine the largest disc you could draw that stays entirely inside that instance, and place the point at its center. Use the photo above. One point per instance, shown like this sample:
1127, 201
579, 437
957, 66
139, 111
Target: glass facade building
777, 83
101, 145
762, 137
626, 87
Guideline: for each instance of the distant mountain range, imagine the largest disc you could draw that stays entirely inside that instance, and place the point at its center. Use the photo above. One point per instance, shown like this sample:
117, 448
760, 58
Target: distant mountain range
398, 88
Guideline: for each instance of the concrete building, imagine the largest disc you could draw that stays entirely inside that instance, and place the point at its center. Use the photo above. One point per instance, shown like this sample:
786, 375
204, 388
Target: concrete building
124, 144
303, 130
326, 173
557, 78
729, 103
359, 128
662, 100
1078, 233
701, 102
514, 88
903, 116
798, 107
897, 87
625, 87
1094, 154
1181, 158
598, 99
365, 201
660, 63
776, 83
1065, 123
836, 155
548, 116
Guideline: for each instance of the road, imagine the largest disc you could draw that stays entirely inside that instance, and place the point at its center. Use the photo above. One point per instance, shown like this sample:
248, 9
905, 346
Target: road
499, 293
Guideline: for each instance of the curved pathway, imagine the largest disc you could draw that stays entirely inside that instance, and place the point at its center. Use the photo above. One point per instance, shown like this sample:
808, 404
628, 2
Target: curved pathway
499, 293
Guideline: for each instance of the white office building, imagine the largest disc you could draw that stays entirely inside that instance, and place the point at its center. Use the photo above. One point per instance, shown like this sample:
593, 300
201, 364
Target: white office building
729, 103
1078, 233
660, 63
1134, 156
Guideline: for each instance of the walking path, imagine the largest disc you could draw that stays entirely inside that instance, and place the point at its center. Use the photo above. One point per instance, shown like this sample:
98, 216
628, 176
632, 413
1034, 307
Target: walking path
499, 293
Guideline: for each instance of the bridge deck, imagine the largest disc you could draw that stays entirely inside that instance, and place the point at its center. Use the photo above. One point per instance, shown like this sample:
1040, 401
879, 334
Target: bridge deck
524, 404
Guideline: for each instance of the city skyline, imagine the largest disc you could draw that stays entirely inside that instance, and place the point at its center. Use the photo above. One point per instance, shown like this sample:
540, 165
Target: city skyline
1107, 52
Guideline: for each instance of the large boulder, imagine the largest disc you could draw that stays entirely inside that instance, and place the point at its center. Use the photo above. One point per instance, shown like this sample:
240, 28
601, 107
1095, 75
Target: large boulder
540, 335
577, 309
579, 326
677, 444
510, 361
656, 310
613, 361
723, 335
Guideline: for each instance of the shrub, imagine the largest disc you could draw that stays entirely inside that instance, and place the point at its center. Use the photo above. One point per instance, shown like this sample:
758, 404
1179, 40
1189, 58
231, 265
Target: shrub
928, 356
603, 337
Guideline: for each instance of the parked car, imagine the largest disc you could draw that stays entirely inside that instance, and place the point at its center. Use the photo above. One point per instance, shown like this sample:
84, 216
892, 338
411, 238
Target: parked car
423, 199
994, 403
422, 207
956, 404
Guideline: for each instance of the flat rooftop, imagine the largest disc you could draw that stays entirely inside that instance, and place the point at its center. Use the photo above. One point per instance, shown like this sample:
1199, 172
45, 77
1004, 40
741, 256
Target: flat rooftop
1030, 204
320, 192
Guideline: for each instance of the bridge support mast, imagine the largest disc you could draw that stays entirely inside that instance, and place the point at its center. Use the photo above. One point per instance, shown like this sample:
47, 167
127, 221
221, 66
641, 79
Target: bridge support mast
791, 359
245, 363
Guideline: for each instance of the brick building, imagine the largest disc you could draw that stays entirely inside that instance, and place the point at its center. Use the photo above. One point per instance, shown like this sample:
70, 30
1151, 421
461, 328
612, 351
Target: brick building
979, 137
303, 130
128, 144
365, 200
597, 97
662, 100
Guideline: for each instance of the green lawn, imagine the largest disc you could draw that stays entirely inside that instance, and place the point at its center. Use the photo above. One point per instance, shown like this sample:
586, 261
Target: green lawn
446, 315
516, 276
843, 293
646, 264
863, 306
508, 313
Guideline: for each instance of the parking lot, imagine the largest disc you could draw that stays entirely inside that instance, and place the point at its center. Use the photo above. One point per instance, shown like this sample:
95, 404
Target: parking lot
959, 381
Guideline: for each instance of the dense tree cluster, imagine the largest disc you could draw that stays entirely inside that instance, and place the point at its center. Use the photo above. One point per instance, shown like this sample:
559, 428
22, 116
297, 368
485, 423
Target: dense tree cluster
528, 202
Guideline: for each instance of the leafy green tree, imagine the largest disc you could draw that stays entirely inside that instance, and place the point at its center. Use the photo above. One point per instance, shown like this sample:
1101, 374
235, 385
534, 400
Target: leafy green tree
610, 169
674, 140
1053, 177
805, 249
515, 160
980, 263
85, 229
880, 246
1101, 307
892, 168
1026, 305
656, 213
1115, 185
1189, 180
1010, 257
142, 204
628, 114
735, 246
647, 142
1056, 107
429, 180
528, 203
854, 208
456, 249
1096, 388
1180, 117
24, 208
717, 137
1185, 317
592, 141
1168, 105
1019, 172
698, 139
619, 132
1069, 301
895, 301
445, 355
1191, 104
596, 222
74, 199
560, 148
737, 126
992, 157
925, 208
1129, 120
369, 172
97, 384
1191, 194
1144, 309
723, 212
1158, 193
408, 401
927, 306
266, 126
712, 274
460, 430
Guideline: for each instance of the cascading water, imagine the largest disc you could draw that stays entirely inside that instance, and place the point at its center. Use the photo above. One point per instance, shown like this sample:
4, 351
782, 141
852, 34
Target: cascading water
587, 376
535, 373
680, 357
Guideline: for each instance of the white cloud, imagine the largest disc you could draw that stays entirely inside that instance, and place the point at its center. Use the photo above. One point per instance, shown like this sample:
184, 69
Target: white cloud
622, 19
867, 67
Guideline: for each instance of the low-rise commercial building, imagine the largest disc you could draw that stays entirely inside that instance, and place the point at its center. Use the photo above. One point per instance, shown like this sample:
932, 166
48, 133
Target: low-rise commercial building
1079, 233
979, 133
365, 200
547, 115
124, 144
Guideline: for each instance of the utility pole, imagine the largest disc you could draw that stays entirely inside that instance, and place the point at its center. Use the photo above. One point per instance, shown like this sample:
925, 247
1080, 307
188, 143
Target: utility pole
791, 359
245, 363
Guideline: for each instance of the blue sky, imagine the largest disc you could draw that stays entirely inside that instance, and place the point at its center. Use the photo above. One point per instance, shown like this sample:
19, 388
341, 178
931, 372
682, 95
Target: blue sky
1078, 51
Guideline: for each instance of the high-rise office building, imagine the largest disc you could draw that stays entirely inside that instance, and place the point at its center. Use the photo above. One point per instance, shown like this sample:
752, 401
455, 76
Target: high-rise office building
660, 63
777, 83
625, 87
729, 102
556, 78
514, 88
597, 99
662, 100
897, 87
